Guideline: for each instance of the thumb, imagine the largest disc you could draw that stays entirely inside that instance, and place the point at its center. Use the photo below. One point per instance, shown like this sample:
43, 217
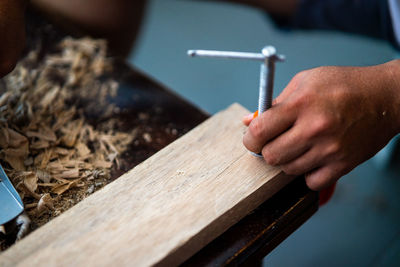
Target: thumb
249, 118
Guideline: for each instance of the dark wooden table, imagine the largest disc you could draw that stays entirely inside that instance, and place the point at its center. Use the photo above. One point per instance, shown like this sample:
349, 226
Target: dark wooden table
167, 117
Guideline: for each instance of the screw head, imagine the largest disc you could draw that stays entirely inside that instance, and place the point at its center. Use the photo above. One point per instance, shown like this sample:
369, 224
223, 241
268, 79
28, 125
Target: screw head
268, 51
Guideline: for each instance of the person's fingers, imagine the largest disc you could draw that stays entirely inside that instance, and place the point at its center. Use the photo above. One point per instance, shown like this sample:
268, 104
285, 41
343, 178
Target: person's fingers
286, 147
304, 163
290, 88
322, 177
267, 126
247, 119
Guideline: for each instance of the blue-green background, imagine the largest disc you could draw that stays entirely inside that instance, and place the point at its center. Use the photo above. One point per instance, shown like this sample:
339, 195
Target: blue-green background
361, 225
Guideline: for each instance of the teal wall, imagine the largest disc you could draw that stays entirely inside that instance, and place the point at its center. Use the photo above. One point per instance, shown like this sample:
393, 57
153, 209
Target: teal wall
174, 26
361, 225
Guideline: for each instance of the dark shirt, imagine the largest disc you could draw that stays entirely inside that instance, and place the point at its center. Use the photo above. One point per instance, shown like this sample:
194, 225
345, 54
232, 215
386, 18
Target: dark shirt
366, 17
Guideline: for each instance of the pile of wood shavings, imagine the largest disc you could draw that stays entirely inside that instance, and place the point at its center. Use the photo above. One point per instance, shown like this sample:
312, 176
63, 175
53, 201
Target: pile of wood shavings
47, 146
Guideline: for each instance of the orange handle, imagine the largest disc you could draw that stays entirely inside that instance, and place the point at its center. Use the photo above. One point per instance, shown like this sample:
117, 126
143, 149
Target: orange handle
255, 114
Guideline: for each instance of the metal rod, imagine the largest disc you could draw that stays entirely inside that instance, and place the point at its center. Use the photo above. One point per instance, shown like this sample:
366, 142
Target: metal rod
268, 56
262, 94
270, 74
226, 54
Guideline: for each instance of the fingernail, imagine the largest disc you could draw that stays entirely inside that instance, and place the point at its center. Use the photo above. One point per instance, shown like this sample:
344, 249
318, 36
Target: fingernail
249, 116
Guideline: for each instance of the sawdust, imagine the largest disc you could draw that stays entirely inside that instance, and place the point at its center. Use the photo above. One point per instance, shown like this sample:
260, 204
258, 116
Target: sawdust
50, 151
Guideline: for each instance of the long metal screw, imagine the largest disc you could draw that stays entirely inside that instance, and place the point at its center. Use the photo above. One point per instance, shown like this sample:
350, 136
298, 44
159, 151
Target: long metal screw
268, 56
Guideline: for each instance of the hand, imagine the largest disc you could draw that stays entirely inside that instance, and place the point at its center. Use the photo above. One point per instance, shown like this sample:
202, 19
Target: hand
328, 120
12, 33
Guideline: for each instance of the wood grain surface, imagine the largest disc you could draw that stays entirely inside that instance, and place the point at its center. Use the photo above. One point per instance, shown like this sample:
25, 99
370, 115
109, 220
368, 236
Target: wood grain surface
162, 211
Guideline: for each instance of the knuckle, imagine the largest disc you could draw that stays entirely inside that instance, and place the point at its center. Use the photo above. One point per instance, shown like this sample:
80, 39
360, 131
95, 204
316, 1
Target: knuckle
303, 99
314, 184
321, 125
255, 129
270, 157
333, 148
292, 169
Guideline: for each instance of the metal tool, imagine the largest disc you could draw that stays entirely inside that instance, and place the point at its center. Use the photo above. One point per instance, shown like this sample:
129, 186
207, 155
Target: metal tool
268, 56
10, 202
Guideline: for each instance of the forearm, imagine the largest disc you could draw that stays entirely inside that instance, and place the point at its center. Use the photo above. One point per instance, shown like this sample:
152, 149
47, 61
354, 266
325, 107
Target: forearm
12, 33
392, 69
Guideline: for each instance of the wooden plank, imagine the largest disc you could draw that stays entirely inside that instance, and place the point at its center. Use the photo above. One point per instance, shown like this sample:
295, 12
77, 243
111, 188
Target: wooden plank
162, 211
257, 234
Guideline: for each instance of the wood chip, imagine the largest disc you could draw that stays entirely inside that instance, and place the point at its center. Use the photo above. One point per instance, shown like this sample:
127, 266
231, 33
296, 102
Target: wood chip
45, 203
71, 133
49, 97
47, 146
68, 174
4, 98
45, 134
83, 150
147, 137
17, 163
60, 189
43, 176
4, 137
30, 181
102, 164
40, 144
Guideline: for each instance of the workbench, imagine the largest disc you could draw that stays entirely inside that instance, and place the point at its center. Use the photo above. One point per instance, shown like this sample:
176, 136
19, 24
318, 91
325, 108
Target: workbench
253, 237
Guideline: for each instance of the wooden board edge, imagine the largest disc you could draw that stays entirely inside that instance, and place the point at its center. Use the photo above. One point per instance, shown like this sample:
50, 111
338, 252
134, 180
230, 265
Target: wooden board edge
248, 204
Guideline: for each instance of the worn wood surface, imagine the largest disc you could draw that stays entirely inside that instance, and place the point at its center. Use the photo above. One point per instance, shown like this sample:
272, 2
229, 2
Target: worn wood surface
162, 211
253, 237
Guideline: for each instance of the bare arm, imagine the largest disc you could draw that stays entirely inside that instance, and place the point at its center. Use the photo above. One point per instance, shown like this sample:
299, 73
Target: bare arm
12, 33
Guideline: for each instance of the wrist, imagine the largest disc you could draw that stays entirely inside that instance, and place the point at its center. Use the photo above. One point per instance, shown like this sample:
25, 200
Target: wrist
392, 83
